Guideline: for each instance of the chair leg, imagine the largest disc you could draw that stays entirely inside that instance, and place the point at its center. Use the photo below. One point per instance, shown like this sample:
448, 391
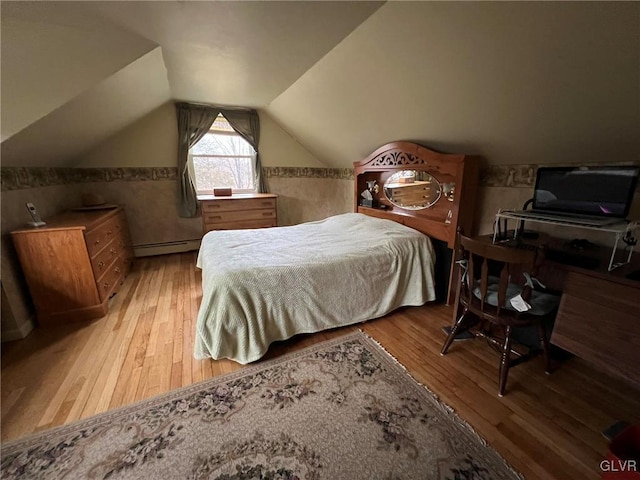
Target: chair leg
544, 343
453, 333
505, 361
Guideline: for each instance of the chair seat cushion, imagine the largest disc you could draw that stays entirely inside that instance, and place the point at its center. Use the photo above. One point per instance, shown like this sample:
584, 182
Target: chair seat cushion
542, 303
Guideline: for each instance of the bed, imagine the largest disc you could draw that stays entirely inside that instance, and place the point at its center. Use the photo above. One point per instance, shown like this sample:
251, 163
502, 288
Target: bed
265, 285
269, 284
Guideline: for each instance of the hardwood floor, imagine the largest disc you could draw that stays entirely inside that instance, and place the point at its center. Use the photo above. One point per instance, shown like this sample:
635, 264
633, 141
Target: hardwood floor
545, 426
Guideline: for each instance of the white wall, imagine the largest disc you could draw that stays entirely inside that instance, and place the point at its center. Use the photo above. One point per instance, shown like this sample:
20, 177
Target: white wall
517, 82
46, 65
153, 142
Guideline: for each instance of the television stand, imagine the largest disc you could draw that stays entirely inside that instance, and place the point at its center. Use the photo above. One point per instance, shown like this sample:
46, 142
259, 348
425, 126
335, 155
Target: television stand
623, 233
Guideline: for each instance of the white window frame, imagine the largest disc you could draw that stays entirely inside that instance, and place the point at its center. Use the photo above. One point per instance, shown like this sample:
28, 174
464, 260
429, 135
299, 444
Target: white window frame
191, 168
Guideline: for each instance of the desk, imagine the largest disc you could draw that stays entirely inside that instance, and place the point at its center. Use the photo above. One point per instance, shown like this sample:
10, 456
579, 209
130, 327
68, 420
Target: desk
599, 320
619, 231
599, 314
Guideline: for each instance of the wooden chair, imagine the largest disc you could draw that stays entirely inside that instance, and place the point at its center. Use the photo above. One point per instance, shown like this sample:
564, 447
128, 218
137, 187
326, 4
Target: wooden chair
492, 275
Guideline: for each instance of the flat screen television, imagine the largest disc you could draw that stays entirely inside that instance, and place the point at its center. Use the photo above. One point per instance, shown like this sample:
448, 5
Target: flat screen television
596, 191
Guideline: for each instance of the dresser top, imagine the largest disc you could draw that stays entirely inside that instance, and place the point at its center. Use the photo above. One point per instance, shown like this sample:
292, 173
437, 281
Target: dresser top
80, 219
237, 196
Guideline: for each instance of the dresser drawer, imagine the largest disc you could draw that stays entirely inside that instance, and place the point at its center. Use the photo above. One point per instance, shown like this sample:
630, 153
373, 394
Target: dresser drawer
100, 236
241, 225
238, 216
214, 206
103, 259
108, 282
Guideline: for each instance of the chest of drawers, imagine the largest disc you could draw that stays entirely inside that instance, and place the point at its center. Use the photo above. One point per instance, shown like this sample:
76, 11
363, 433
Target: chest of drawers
75, 263
256, 210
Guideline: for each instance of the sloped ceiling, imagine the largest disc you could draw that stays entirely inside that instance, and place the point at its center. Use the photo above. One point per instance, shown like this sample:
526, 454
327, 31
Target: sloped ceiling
61, 55
45, 65
91, 117
518, 82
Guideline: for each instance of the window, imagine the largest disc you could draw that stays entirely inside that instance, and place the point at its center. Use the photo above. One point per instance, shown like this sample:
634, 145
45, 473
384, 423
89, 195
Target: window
222, 158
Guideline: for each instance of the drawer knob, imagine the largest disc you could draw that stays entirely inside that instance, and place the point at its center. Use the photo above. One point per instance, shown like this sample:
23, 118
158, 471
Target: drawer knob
113, 251
110, 232
106, 285
97, 242
101, 265
117, 269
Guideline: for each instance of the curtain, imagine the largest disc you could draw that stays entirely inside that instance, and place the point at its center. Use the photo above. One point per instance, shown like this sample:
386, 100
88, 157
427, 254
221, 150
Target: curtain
194, 121
247, 124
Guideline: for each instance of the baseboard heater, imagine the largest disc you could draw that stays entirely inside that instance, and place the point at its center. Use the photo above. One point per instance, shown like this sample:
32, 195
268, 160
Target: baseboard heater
164, 248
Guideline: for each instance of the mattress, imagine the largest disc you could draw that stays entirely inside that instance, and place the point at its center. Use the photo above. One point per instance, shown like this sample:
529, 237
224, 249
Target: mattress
264, 285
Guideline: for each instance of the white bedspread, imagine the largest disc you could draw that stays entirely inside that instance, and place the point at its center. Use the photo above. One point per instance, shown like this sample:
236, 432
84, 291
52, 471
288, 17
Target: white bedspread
269, 284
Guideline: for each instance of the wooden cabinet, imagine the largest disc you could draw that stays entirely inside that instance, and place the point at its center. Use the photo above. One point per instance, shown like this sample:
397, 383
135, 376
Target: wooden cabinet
598, 320
238, 211
75, 263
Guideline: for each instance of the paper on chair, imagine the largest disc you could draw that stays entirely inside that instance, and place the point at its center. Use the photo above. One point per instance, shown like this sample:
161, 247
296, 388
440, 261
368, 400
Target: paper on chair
519, 304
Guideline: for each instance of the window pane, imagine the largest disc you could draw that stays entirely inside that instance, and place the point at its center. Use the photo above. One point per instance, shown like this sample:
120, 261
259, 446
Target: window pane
233, 172
222, 158
222, 124
225, 144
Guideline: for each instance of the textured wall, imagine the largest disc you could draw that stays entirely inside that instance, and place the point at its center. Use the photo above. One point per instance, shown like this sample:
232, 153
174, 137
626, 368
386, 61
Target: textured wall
150, 197
308, 194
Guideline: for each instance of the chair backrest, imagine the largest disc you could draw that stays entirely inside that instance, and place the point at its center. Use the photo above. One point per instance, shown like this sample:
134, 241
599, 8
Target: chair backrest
484, 259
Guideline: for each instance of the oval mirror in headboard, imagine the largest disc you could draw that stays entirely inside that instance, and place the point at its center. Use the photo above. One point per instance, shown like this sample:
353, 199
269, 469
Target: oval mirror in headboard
452, 199
412, 189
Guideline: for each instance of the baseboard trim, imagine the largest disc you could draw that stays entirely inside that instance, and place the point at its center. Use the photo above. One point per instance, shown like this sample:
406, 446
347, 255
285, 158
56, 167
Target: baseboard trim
19, 333
151, 249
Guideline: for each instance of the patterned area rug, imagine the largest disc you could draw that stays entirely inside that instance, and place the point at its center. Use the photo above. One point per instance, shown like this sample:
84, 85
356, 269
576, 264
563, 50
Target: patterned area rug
343, 409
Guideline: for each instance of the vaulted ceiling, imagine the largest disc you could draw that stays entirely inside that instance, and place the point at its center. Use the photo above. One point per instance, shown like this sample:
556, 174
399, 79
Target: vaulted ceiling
518, 82
74, 73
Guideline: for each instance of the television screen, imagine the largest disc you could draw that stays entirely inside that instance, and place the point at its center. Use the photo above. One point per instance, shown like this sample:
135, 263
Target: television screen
600, 191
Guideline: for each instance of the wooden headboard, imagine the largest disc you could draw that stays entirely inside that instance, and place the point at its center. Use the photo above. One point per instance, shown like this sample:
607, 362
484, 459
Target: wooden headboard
441, 220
